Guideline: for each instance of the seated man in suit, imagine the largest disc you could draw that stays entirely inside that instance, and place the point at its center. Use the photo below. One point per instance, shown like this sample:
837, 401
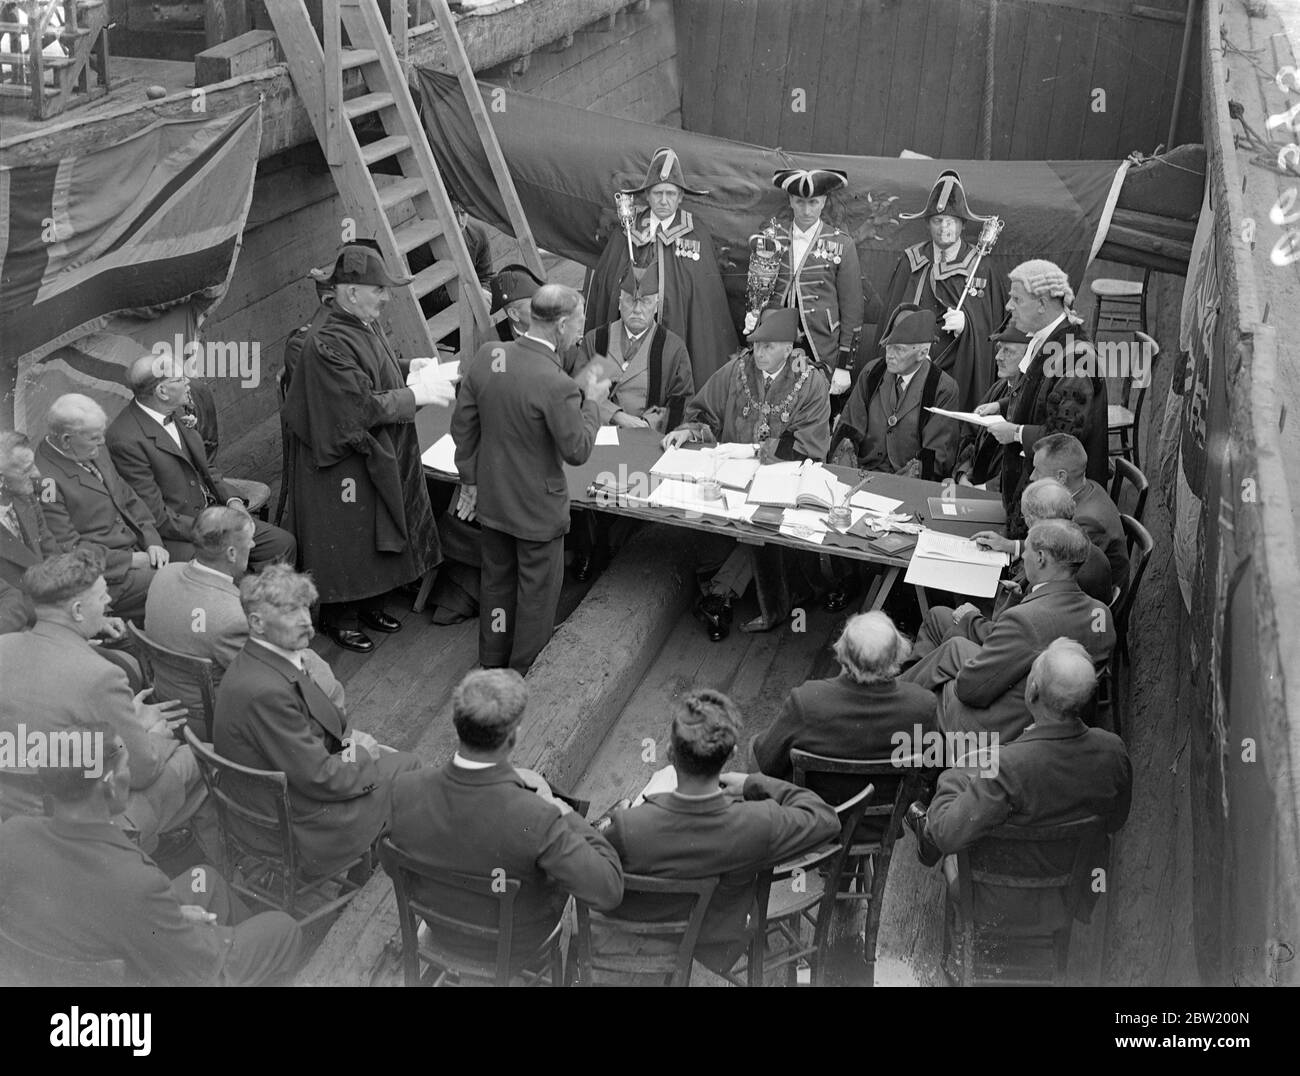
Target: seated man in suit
192, 931
886, 425
24, 538
54, 679
769, 402
193, 608
164, 461
979, 456
89, 503
271, 715
1058, 770
1042, 500
1062, 457
478, 814
981, 685
734, 825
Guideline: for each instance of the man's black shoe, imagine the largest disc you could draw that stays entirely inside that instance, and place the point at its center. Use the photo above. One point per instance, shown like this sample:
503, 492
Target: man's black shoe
351, 640
380, 621
582, 566
838, 599
715, 614
926, 851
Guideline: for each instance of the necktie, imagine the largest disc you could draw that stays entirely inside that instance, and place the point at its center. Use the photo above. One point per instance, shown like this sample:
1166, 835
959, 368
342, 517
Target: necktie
897, 394
86, 465
767, 384
169, 420
9, 517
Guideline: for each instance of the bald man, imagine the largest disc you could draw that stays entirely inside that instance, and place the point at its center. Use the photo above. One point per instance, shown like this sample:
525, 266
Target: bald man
86, 502
1057, 771
164, 461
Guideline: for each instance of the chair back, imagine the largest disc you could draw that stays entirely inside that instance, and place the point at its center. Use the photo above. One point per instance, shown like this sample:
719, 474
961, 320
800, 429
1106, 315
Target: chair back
21, 965
1127, 473
1140, 545
695, 893
424, 893
224, 779
832, 778
178, 672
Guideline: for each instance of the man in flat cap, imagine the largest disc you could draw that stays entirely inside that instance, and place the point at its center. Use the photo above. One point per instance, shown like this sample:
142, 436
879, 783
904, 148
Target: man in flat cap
1061, 390
768, 402
357, 499
693, 302
819, 274
979, 456
933, 274
887, 425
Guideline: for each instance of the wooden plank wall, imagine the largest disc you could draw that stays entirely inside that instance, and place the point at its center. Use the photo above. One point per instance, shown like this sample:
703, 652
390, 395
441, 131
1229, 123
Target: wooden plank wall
876, 77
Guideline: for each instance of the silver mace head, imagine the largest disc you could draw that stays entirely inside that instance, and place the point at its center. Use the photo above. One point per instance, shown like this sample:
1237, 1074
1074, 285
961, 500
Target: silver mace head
990, 232
626, 208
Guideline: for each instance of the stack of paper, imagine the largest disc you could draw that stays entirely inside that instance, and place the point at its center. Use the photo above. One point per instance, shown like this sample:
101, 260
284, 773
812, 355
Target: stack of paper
946, 562
969, 416
875, 504
441, 455
435, 371
688, 465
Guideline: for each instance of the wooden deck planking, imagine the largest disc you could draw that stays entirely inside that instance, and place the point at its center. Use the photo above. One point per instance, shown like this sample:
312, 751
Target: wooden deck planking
961, 120
833, 92
1100, 133
905, 81
732, 82
796, 129
1009, 51
699, 43
875, 50
769, 82
1072, 99
941, 45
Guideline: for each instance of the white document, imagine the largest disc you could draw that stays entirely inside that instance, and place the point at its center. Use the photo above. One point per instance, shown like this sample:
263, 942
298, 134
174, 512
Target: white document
947, 562
607, 435
969, 416
691, 466
441, 455
875, 504
664, 780
942, 546
685, 496
435, 372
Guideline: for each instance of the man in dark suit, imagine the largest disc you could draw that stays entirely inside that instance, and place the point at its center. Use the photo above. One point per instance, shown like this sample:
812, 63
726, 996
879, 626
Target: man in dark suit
271, 715
24, 538
479, 814
1062, 457
85, 501
1058, 770
981, 685
519, 418
164, 461
887, 423
733, 825
189, 932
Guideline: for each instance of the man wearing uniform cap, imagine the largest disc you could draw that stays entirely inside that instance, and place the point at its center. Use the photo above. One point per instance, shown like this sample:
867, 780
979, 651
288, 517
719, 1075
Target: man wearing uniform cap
692, 302
932, 275
819, 274
887, 421
357, 500
768, 402
979, 456
513, 288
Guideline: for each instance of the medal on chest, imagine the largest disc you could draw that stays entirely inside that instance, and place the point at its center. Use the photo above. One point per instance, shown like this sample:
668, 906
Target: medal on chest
687, 248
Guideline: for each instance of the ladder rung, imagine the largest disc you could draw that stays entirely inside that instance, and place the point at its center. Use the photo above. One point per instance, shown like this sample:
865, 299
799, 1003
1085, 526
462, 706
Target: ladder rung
391, 146
49, 62
444, 323
355, 107
400, 191
433, 278
416, 232
350, 58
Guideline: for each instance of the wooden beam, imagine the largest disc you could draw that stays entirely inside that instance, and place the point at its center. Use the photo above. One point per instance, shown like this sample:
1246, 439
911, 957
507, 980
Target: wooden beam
257, 50
490, 39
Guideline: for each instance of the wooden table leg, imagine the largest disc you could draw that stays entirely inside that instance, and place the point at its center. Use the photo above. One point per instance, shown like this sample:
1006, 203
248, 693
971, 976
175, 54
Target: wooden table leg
878, 593
922, 601
426, 586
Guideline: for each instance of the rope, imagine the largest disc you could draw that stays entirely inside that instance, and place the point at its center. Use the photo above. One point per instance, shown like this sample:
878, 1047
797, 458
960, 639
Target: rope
986, 138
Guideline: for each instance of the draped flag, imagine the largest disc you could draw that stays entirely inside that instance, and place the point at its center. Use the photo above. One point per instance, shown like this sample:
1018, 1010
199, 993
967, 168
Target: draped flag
103, 253
567, 162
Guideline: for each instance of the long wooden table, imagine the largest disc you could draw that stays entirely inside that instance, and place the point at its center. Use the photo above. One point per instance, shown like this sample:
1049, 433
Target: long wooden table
628, 463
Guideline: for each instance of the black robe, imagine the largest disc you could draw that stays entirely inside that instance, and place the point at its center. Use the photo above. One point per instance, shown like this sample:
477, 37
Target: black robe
357, 499
694, 303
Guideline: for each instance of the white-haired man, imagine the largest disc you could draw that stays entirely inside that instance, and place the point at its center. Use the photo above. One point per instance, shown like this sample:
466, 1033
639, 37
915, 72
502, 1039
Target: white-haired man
86, 501
1061, 390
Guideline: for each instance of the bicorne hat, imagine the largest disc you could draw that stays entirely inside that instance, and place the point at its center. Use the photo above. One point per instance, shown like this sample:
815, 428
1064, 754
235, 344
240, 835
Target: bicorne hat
947, 196
665, 167
909, 324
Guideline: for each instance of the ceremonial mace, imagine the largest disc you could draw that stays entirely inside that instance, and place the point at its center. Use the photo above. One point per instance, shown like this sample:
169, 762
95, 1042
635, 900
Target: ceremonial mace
764, 267
626, 209
988, 236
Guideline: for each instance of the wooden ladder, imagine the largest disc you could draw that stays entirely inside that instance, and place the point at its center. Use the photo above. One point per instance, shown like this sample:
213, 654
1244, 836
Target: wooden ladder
377, 87
82, 31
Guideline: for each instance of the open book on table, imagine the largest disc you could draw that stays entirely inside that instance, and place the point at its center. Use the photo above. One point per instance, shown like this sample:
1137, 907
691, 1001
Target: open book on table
797, 484
696, 465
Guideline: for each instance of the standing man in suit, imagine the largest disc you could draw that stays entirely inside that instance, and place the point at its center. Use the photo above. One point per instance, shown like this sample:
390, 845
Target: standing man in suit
85, 501
478, 814
819, 274
1058, 770
271, 715
981, 685
165, 462
55, 680
887, 421
519, 418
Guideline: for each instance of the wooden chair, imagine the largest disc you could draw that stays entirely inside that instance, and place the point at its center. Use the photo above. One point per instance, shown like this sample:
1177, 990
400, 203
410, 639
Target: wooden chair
869, 858
1119, 305
674, 967
1140, 545
1126, 473
803, 891
987, 862
1123, 419
271, 879
21, 965
442, 963
178, 669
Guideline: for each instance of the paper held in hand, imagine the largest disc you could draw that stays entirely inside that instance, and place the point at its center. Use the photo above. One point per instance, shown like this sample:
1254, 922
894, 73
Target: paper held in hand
434, 372
690, 465
946, 562
969, 416
441, 455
